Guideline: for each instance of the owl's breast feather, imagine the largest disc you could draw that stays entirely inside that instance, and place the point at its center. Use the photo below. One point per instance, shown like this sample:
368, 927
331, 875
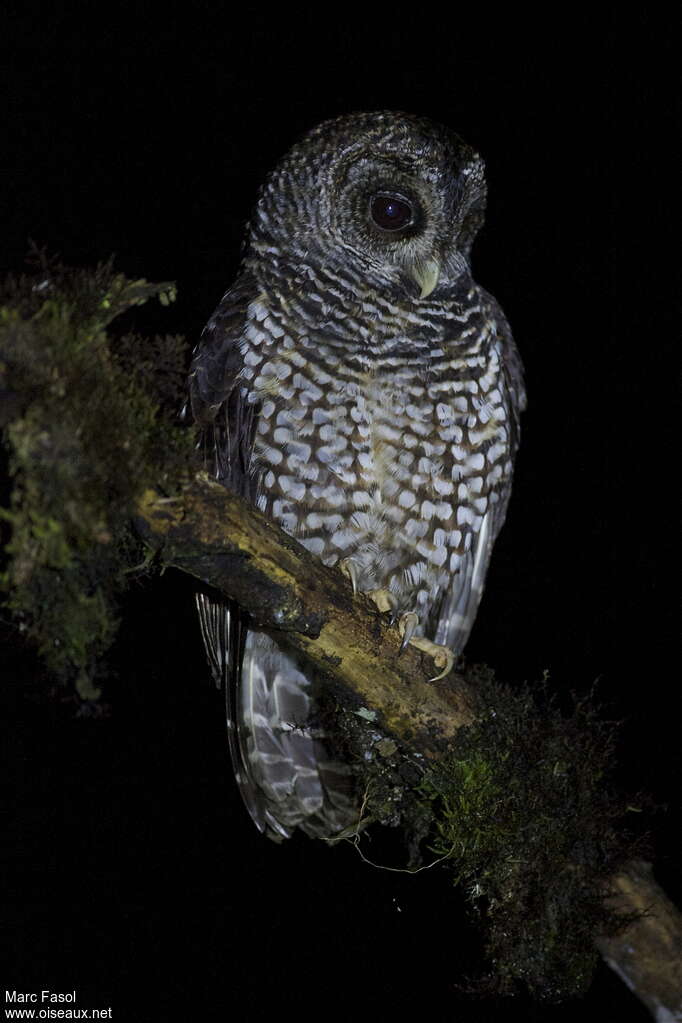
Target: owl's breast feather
377, 460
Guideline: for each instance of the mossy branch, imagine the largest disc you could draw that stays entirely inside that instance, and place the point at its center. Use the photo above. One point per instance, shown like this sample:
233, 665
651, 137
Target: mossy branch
506, 857
515, 796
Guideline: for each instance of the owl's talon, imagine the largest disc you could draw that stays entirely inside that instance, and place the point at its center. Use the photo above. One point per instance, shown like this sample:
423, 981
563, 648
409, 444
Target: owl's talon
347, 568
442, 655
406, 626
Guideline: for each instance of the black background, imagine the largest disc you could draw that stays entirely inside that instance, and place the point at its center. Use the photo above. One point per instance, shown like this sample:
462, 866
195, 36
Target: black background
134, 873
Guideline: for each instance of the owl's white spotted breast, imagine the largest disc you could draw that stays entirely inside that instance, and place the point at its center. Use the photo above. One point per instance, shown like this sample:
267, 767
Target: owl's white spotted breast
383, 434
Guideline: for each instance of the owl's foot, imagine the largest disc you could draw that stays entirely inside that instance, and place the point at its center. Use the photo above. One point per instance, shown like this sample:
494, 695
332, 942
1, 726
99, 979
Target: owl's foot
385, 600
442, 655
387, 603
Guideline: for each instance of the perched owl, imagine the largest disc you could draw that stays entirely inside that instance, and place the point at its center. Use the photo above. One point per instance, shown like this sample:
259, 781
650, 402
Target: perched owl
358, 387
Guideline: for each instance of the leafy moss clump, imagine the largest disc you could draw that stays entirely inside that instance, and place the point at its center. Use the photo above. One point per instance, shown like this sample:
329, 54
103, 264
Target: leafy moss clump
523, 813
89, 422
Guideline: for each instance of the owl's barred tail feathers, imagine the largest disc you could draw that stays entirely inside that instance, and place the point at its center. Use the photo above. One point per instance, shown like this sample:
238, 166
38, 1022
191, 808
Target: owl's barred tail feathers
285, 773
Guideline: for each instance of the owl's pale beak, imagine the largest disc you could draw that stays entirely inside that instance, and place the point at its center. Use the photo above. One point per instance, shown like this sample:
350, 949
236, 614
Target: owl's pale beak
426, 275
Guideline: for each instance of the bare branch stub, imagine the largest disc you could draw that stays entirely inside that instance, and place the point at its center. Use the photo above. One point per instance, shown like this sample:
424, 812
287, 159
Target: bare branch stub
647, 954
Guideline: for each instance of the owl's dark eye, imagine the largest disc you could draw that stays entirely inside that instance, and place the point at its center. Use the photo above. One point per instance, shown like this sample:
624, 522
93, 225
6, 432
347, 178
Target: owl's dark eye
390, 212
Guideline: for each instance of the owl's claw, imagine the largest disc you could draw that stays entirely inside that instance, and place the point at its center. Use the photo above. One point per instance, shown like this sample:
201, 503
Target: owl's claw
347, 568
442, 655
406, 626
387, 603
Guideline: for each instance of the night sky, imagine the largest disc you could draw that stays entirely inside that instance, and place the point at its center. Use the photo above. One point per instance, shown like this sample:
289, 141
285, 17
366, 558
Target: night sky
135, 875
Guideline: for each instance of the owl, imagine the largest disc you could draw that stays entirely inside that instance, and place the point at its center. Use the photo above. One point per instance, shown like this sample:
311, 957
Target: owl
359, 388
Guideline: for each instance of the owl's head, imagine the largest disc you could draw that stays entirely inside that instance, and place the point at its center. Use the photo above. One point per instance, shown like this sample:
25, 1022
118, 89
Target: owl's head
388, 199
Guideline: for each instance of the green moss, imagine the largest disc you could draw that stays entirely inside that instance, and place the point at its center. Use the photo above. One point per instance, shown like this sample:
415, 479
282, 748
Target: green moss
523, 813
93, 423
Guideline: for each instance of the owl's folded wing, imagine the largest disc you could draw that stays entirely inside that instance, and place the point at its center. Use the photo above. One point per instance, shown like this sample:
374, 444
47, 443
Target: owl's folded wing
226, 420
227, 423
459, 606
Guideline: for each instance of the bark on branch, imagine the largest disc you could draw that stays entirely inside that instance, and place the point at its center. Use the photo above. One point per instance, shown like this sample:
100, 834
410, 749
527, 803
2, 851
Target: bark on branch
647, 955
217, 538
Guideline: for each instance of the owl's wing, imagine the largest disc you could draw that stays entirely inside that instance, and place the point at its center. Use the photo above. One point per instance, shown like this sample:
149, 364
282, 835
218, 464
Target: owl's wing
285, 773
227, 424
226, 420
512, 374
459, 606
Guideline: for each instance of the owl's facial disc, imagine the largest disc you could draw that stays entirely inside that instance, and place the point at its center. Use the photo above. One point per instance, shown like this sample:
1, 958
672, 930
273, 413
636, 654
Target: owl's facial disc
387, 200
388, 214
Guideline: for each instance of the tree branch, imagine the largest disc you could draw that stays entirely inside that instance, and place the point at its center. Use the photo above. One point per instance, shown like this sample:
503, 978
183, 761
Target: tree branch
218, 538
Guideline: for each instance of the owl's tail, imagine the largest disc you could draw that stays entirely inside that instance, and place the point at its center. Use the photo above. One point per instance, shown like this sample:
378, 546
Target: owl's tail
286, 775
